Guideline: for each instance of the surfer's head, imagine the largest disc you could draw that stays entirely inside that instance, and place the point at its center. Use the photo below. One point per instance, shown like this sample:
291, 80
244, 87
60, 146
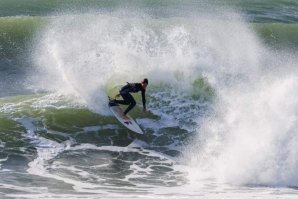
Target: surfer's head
144, 83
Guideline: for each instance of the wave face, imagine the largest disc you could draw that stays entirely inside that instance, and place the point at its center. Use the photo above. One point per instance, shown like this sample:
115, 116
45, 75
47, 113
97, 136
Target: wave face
222, 96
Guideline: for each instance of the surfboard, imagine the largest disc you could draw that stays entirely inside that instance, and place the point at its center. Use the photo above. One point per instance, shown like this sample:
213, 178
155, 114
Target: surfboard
127, 122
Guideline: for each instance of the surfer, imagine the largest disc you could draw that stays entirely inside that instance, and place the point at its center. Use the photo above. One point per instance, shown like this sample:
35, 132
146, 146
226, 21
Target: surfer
128, 98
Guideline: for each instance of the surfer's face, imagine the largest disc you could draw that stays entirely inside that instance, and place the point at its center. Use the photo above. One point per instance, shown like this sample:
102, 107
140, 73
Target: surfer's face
144, 85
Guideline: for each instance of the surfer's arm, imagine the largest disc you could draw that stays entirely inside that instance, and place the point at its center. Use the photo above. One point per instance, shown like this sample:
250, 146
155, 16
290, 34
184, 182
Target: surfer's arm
144, 100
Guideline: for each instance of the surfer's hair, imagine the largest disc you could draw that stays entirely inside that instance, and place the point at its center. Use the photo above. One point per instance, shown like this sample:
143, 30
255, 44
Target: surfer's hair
145, 81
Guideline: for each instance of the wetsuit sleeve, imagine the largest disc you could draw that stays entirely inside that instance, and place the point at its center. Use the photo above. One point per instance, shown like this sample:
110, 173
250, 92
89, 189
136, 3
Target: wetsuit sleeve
144, 99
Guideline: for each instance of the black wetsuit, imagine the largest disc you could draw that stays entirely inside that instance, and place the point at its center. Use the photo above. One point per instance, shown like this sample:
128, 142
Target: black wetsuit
128, 98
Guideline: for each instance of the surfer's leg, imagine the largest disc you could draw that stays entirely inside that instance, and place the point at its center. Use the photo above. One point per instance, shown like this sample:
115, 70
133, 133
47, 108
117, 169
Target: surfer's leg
132, 103
126, 99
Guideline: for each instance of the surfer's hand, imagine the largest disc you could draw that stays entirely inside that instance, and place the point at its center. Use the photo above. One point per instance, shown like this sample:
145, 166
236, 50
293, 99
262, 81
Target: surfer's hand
145, 111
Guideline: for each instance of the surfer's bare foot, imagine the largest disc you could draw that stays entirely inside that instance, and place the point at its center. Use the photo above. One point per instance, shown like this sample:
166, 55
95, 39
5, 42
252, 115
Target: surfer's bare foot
125, 117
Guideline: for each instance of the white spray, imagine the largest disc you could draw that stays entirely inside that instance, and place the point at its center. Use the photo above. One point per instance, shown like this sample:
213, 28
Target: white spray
252, 136
87, 54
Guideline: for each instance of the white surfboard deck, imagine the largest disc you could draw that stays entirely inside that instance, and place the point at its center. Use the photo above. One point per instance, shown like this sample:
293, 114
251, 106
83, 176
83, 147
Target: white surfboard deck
127, 122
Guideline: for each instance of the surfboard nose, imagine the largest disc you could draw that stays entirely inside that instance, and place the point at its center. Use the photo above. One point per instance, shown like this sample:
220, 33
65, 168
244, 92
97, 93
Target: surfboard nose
128, 121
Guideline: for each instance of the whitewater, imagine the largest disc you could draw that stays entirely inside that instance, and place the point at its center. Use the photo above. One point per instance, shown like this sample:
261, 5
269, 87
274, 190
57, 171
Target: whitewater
222, 97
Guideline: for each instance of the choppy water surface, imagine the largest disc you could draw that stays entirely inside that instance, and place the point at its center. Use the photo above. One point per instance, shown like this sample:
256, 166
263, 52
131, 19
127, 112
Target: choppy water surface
222, 97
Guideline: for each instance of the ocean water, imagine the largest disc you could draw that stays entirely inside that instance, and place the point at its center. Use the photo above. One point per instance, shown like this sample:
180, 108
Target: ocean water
222, 96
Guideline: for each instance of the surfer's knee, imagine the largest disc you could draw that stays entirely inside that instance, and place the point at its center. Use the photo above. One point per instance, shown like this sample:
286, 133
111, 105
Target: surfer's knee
133, 103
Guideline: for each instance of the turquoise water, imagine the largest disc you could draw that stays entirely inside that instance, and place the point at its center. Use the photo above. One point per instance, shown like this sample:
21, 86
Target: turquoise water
222, 99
